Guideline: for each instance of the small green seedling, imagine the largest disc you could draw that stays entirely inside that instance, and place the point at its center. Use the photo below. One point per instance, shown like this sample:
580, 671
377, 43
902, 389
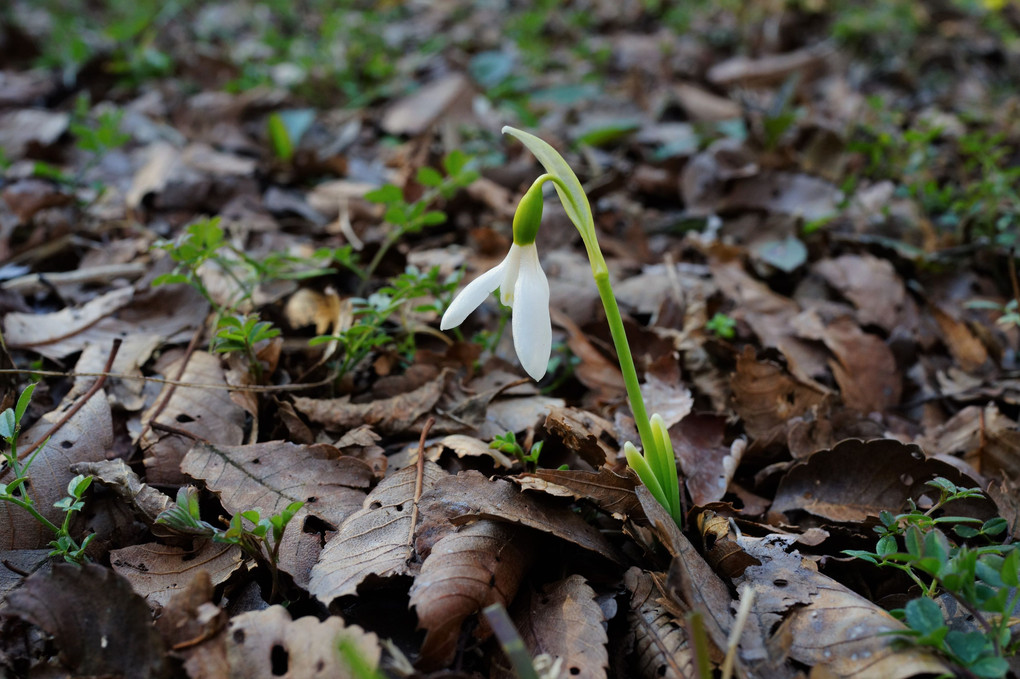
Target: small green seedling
16, 491
507, 444
722, 326
241, 334
261, 541
975, 568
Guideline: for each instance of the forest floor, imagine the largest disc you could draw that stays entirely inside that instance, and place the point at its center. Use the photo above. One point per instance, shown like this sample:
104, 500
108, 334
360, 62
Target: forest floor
229, 230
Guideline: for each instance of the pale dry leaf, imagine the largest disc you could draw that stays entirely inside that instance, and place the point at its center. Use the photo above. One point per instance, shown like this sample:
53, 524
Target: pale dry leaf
30, 126
866, 371
267, 644
205, 412
375, 540
192, 626
583, 432
672, 402
769, 69
86, 437
465, 446
565, 622
44, 332
418, 111
481, 564
157, 571
822, 624
875, 289
986, 438
660, 642
269, 476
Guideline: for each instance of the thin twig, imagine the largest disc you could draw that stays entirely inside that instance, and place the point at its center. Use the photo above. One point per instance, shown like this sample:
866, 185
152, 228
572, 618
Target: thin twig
82, 400
177, 383
161, 406
419, 479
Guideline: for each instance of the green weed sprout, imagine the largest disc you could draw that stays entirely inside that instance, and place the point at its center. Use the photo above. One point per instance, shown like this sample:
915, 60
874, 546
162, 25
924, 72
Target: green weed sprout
981, 574
261, 542
240, 334
507, 443
16, 492
523, 285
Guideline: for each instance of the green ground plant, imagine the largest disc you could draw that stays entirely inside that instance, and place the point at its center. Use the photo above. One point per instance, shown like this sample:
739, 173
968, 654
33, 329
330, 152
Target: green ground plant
258, 537
17, 493
964, 558
508, 445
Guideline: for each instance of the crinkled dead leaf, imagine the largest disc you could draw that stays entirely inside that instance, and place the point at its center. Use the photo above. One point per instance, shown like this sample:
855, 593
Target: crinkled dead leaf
611, 492
192, 628
466, 447
859, 479
588, 435
708, 464
820, 623
875, 289
770, 316
157, 571
86, 437
146, 502
481, 564
470, 496
24, 561
268, 643
205, 412
375, 540
565, 622
986, 438
99, 625
394, 416
659, 641
964, 345
269, 476
765, 396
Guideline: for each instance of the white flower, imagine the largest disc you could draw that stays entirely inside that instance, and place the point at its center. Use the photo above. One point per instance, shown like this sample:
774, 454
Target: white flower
523, 287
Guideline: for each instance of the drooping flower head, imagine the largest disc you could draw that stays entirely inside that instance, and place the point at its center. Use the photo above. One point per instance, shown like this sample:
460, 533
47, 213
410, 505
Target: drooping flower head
522, 286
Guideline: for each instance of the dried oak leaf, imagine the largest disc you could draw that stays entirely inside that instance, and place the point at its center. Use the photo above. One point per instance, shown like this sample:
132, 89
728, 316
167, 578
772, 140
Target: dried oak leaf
858, 479
708, 464
989, 440
158, 571
765, 396
660, 644
469, 496
269, 476
820, 623
206, 412
268, 643
611, 492
101, 627
388, 416
481, 564
375, 540
86, 437
564, 621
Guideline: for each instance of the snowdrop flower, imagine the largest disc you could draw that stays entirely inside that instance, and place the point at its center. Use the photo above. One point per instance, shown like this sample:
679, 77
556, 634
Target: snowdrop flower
522, 286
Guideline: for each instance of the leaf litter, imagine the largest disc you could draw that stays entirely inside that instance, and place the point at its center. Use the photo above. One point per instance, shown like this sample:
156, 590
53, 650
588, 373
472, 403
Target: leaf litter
810, 237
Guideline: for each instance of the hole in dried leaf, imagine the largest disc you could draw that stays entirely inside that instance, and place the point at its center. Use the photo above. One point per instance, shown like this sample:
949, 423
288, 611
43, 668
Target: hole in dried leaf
239, 636
661, 670
279, 659
399, 508
375, 505
319, 666
311, 499
575, 670
256, 461
66, 444
780, 582
184, 417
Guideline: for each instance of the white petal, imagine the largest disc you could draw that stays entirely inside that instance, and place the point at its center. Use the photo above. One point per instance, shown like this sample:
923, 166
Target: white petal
531, 325
513, 267
472, 296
